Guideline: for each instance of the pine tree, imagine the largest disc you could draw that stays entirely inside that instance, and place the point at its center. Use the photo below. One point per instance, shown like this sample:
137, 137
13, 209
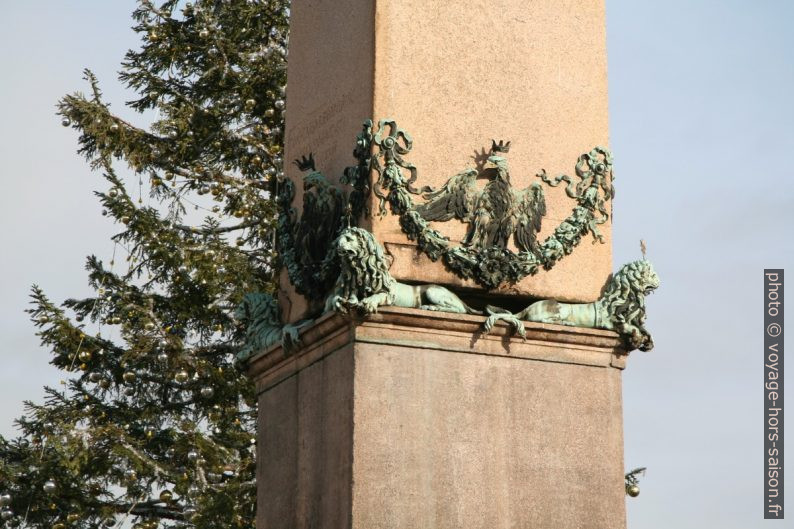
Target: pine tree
155, 424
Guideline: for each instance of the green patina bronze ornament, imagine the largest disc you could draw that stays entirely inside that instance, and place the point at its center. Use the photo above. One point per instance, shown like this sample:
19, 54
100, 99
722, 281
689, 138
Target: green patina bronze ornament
304, 242
620, 309
364, 282
494, 214
260, 315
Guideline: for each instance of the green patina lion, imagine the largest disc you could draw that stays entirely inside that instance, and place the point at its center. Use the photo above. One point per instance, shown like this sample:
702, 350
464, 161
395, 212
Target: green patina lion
365, 283
260, 315
620, 309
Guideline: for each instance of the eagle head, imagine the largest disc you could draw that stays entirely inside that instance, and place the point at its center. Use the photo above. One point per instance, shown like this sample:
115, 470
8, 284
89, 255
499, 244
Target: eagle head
500, 165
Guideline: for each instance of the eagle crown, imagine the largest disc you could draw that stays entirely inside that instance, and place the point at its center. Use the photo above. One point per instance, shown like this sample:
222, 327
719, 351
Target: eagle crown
500, 147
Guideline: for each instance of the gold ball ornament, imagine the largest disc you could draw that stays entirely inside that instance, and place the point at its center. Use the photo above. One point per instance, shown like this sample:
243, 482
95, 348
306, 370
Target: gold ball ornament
85, 356
114, 127
181, 376
633, 490
104, 383
166, 496
59, 525
129, 377
72, 517
49, 486
125, 219
204, 33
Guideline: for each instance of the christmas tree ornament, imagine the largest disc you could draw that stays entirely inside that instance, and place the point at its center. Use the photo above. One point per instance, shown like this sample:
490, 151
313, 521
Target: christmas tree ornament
59, 525
181, 376
5, 499
129, 377
129, 392
49, 486
130, 474
6, 514
66, 122
166, 496
207, 392
109, 522
633, 490
125, 219
72, 517
44, 319
94, 377
84, 356
162, 357
279, 104
114, 127
104, 383
204, 33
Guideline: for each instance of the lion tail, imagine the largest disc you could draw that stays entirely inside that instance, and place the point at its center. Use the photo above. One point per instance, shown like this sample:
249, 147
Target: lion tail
470, 310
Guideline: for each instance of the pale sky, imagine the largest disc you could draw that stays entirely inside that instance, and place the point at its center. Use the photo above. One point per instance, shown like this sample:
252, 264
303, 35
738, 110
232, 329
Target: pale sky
701, 126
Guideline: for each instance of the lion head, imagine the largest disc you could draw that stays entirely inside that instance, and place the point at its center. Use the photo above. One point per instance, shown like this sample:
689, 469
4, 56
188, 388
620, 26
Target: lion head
259, 314
624, 301
364, 269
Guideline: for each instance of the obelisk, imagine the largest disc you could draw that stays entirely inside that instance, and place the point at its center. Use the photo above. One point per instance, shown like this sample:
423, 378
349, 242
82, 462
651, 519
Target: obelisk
415, 419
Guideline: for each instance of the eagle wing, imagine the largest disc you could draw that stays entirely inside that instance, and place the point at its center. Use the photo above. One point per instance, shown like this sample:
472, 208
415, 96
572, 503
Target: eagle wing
530, 207
455, 199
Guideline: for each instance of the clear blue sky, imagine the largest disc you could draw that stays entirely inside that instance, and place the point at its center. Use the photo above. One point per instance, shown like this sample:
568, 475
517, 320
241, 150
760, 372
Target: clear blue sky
701, 126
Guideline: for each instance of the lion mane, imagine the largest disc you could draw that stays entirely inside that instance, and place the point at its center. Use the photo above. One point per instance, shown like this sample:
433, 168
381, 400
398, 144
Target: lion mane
258, 313
623, 302
364, 267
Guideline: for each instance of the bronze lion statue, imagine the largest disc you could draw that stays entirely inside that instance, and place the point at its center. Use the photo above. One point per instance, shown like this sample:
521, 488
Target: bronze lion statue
620, 309
364, 282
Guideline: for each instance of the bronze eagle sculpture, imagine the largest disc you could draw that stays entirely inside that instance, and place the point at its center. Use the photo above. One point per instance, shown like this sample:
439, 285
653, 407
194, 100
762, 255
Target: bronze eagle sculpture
494, 214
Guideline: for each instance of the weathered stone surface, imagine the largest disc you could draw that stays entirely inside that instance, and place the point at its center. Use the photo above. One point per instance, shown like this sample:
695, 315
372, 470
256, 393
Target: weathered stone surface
412, 419
455, 75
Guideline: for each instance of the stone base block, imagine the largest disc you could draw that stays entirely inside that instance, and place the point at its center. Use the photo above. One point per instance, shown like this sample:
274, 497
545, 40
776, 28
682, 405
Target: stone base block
414, 420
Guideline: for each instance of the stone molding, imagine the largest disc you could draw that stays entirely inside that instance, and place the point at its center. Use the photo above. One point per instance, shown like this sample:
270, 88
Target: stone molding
460, 333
